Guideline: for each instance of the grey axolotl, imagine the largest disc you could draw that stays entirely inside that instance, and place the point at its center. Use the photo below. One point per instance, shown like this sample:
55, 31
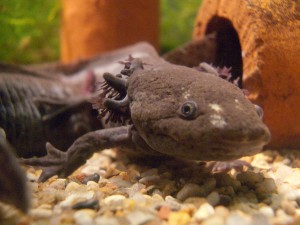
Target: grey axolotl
40, 103
35, 108
165, 109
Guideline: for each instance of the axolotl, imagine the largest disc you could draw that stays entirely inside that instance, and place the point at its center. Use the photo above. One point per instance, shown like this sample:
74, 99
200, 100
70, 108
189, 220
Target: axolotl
165, 109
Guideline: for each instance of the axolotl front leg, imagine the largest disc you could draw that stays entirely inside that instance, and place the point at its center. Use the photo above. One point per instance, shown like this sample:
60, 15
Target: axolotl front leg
61, 163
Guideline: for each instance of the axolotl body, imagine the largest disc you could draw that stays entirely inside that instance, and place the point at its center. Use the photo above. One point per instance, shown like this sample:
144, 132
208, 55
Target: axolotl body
165, 109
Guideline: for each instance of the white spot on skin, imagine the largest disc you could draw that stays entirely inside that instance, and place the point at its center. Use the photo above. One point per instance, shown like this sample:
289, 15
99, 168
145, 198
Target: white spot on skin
217, 121
238, 104
186, 94
217, 108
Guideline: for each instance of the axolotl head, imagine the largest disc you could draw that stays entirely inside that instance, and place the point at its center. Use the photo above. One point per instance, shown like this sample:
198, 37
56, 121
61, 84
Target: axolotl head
182, 112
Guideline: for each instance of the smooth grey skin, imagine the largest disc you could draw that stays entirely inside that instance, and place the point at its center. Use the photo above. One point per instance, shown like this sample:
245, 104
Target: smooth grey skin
175, 111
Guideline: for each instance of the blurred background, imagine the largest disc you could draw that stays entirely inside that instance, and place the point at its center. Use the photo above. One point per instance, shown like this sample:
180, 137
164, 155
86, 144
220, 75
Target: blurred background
29, 30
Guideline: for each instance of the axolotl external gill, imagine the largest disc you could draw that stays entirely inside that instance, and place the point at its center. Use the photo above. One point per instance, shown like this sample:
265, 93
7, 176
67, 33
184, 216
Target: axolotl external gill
165, 109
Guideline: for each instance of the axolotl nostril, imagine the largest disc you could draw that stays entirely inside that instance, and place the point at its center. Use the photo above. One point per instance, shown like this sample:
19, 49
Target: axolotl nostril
164, 109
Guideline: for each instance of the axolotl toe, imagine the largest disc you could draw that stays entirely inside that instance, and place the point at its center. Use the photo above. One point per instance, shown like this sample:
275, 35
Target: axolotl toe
164, 109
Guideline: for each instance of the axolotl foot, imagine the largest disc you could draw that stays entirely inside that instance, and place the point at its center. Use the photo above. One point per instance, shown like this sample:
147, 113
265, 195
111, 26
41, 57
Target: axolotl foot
52, 164
225, 166
63, 163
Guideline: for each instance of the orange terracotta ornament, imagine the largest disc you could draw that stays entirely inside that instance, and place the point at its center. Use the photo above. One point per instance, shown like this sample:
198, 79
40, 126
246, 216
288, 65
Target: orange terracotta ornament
266, 50
90, 27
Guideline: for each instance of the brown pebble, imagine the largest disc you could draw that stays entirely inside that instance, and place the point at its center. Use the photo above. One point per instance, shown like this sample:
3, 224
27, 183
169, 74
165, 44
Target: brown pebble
93, 177
225, 200
89, 204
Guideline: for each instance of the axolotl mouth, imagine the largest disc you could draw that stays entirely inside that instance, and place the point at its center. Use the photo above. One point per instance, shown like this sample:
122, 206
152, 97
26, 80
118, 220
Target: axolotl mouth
208, 143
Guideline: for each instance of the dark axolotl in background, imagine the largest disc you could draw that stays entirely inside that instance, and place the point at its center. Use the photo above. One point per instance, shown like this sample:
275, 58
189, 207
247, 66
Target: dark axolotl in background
41, 103
165, 109
35, 108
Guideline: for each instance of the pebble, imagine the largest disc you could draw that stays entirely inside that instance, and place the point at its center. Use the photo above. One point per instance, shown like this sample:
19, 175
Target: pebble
92, 186
196, 201
282, 217
137, 187
289, 207
164, 212
106, 221
150, 172
293, 178
59, 184
205, 211
267, 211
256, 197
139, 217
238, 219
213, 198
73, 186
259, 219
225, 200
40, 213
93, 177
172, 203
214, 220
89, 204
222, 211
114, 200
84, 216
150, 179
75, 198
266, 186
190, 190
179, 218
250, 178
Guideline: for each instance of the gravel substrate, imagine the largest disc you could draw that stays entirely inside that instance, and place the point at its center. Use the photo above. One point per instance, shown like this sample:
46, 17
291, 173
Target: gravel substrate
111, 190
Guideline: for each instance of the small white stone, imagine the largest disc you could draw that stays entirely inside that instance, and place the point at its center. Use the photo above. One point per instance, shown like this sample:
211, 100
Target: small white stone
282, 218
84, 216
139, 217
106, 221
214, 220
92, 186
293, 178
77, 197
73, 186
204, 211
114, 200
40, 213
172, 202
267, 211
58, 184
238, 218
290, 193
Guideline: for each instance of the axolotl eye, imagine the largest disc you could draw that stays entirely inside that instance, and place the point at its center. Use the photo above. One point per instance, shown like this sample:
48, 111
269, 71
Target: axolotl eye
188, 110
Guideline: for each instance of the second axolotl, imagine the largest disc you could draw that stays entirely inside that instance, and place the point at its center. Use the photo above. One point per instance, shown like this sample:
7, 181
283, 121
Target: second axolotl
165, 109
